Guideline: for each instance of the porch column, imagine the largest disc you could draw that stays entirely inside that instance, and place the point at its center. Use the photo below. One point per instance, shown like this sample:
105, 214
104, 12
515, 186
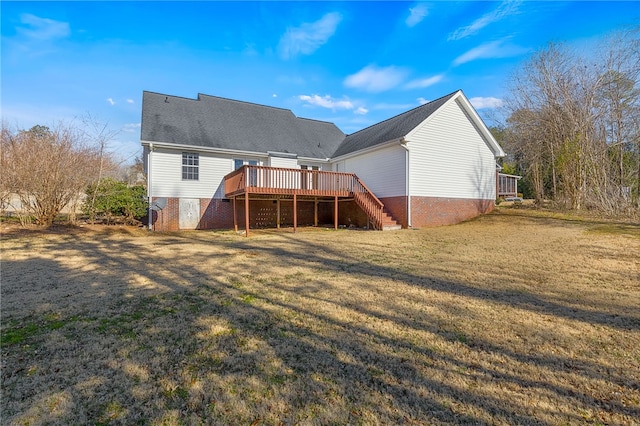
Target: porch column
235, 215
335, 212
315, 211
295, 212
246, 214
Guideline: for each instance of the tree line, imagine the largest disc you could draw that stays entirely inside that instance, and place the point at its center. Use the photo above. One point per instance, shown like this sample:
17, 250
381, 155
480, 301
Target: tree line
48, 169
573, 125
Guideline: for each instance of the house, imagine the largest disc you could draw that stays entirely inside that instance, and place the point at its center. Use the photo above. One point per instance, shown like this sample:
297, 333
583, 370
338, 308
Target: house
216, 163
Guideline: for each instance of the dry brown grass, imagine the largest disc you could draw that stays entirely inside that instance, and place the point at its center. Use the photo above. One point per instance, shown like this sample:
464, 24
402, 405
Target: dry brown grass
514, 318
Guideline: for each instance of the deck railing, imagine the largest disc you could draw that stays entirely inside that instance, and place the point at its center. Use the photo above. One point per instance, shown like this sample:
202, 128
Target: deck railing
280, 181
368, 202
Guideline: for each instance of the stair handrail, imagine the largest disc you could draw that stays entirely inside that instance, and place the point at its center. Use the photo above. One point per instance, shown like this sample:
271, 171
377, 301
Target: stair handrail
371, 205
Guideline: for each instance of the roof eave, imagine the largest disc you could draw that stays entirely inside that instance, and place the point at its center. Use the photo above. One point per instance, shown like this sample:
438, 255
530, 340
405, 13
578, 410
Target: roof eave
396, 141
169, 145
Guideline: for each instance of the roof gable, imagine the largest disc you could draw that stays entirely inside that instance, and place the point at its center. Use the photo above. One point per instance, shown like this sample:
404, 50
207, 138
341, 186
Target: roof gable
214, 122
390, 129
474, 119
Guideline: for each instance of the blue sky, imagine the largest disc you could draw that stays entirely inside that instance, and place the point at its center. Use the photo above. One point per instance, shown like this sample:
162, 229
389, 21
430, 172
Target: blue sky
352, 63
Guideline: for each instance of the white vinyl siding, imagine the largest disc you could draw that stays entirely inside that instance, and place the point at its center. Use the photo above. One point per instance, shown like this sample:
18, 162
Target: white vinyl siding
286, 163
166, 166
383, 171
449, 158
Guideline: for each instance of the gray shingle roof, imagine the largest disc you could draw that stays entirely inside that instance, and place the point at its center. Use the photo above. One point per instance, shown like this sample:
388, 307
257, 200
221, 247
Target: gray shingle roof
388, 130
215, 122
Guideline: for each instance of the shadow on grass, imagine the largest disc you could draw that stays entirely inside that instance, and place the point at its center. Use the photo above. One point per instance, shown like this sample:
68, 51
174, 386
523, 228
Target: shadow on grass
145, 338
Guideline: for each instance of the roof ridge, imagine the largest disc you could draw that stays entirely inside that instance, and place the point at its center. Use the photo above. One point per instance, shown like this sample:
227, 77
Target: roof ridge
247, 103
168, 96
315, 119
406, 112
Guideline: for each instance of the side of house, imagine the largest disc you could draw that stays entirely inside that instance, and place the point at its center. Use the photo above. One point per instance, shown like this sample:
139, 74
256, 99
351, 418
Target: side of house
434, 165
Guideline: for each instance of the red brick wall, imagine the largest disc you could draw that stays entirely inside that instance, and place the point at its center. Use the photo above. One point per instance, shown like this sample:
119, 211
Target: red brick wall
215, 214
167, 219
218, 214
425, 211
397, 207
432, 211
349, 214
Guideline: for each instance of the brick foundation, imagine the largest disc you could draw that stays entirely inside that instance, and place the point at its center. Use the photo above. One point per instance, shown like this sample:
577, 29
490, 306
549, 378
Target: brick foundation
218, 214
431, 211
397, 207
425, 211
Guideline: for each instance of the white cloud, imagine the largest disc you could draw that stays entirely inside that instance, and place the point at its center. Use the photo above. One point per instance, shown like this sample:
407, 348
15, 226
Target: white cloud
504, 9
308, 37
416, 15
374, 79
422, 100
42, 28
489, 102
327, 102
111, 101
424, 82
130, 101
361, 111
131, 127
275, 95
492, 49
387, 106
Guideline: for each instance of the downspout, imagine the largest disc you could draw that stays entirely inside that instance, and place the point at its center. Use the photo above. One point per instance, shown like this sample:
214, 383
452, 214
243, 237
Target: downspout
406, 180
149, 188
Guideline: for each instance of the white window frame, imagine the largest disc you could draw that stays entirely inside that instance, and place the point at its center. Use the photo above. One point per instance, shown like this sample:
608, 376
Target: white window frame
190, 166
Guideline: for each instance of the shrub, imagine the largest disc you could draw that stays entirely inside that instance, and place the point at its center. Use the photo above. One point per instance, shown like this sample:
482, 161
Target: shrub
115, 198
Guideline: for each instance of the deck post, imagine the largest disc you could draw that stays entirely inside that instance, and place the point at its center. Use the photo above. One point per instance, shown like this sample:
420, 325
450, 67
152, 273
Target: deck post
246, 214
295, 212
235, 215
315, 211
335, 212
278, 208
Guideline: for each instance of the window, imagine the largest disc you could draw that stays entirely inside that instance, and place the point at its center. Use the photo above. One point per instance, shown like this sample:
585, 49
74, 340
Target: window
237, 163
190, 165
253, 173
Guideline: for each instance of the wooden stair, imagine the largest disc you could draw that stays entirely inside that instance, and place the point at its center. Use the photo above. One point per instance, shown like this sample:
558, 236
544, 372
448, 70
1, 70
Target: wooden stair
388, 222
373, 207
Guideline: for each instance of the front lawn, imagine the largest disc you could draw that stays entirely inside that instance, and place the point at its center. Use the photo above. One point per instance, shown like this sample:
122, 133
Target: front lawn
514, 318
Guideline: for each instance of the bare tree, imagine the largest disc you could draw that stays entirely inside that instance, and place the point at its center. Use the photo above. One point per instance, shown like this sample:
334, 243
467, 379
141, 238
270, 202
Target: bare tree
573, 121
100, 135
46, 168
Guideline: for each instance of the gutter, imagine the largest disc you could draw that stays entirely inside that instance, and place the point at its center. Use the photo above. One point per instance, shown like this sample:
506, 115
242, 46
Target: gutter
407, 185
226, 151
392, 142
149, 187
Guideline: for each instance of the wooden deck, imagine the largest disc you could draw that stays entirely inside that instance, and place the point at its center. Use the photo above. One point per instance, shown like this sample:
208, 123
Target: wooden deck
261, 180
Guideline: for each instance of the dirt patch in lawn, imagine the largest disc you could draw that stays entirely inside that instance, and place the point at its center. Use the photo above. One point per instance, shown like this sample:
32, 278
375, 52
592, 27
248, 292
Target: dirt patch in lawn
513, 318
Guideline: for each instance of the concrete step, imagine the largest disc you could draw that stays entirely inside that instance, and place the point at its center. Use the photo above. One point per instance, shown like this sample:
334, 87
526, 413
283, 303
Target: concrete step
391, 227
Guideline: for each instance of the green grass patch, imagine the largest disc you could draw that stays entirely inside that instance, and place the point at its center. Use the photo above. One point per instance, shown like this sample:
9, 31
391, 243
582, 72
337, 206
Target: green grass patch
13, 335
15, 332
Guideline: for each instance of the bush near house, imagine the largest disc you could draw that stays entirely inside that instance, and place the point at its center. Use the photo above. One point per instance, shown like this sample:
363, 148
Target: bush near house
111, 198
